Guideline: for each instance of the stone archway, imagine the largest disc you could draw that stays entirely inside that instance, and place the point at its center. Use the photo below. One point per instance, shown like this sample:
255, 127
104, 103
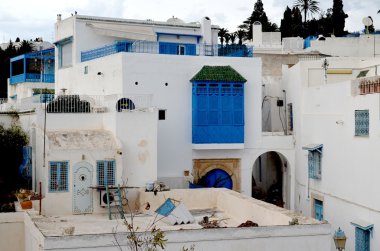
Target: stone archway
231, 166
270, 179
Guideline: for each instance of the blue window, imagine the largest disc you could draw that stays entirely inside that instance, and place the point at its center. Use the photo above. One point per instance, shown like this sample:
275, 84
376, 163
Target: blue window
177, 48
314, 160
218, 112
318, 209
361, 122
106, 172
58, 176
314, 164
362, 239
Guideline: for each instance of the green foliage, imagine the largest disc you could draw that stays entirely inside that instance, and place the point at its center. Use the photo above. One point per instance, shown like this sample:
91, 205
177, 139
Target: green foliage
5, 56
43, 91
307, 6
338, 18
12, 141
259, 15
222, 34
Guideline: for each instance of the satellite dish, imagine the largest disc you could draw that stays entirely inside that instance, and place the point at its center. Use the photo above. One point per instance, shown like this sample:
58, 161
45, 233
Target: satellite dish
367, 21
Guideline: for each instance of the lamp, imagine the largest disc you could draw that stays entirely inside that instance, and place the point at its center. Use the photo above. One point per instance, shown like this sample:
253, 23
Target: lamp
340, 239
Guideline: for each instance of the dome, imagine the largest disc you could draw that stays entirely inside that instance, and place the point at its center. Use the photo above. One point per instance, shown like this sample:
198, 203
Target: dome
175, 20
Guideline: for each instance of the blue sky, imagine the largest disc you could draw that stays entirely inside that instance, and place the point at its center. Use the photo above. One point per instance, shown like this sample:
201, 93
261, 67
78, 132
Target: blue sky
35, 18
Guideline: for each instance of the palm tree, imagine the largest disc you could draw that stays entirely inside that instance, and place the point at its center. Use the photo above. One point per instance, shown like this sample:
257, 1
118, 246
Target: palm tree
222, 34
227, 37
233, 37
306, 6
241, 34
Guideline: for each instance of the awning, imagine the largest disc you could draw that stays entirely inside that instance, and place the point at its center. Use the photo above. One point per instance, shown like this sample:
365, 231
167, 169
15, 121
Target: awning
175, 214
64, 41
124, 31
364, 225
313, 147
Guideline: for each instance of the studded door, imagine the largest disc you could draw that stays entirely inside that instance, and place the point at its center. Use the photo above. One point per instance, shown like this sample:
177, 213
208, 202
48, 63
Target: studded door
82, 193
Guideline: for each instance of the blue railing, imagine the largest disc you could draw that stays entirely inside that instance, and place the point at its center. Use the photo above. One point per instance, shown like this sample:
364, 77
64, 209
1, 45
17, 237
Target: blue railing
233, 50
32, 77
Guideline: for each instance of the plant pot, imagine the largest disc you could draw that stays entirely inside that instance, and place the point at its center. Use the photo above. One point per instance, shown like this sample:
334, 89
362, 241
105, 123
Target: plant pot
26, 204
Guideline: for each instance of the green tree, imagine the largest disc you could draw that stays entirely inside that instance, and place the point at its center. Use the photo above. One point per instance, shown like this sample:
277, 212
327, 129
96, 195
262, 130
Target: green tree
307, 6
25, 47
227, 37
240, 35
12, 141
287, 23
297, 27
233, 37
259, 15
338, 18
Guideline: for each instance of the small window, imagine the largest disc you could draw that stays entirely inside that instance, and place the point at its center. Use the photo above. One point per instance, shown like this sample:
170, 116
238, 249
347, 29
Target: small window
361, 122
318, 210
106, 171
362, 239
86, 69
314, 164
58, 176
290, 118
161, 114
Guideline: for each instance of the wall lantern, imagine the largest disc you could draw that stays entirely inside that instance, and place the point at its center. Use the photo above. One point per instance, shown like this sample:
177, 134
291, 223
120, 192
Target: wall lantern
340, 239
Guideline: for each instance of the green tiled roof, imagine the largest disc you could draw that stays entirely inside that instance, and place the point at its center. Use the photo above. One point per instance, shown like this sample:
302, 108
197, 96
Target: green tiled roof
218, 74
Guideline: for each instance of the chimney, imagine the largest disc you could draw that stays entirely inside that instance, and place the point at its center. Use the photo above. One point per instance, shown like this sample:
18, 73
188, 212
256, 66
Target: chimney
59, 17
206, 30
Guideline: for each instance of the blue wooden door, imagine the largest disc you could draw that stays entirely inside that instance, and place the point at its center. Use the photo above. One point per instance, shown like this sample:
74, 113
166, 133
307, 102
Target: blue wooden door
82, 193
318, 210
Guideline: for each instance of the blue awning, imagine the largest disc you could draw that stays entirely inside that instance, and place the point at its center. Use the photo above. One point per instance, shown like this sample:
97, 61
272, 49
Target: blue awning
363, 225
313, 147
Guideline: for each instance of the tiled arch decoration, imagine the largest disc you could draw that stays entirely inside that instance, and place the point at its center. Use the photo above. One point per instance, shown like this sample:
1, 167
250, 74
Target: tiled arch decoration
231, 166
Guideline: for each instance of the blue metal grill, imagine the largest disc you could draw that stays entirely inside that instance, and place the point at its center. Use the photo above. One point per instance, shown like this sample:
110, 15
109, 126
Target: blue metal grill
314, 162
318, 207
362, 239
361, 122
106, 172
58, 176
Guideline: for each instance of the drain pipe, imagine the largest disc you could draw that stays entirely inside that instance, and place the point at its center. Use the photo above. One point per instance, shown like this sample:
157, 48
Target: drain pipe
40, 198
286, 116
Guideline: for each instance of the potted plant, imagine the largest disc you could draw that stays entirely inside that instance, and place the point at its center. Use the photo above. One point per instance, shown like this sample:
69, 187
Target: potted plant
23, 196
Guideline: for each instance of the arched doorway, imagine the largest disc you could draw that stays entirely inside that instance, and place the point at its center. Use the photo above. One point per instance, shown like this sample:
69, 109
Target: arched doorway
269, 179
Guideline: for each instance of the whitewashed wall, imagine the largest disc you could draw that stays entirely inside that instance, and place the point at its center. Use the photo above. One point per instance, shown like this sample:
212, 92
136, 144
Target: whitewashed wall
325, 114
12, 231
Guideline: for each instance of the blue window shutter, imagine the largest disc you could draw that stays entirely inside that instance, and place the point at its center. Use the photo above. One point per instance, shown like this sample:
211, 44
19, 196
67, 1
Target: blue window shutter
191, 49
314, 164
238, 104
213, 104
362, 240
226, 105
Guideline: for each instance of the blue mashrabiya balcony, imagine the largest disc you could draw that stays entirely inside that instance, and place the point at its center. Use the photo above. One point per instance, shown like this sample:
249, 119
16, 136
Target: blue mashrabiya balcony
218, 106
35, 66
153, 47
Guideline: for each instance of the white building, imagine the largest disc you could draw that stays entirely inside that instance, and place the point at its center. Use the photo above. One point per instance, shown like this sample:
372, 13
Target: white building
138, 101
335, 116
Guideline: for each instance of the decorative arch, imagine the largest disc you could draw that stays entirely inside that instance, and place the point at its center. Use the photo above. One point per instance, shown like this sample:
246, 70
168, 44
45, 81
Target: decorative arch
231, 166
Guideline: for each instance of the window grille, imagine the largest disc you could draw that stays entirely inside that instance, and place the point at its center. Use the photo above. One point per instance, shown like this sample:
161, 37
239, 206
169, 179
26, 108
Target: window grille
362, 239
106, 171
58, 176
314, 159
361, 122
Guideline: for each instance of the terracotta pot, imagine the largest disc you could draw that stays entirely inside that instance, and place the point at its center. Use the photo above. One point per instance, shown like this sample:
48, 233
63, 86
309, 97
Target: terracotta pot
26, 204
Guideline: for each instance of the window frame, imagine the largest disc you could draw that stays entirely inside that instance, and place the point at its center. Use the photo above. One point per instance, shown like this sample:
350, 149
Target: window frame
60, 166
357, 116
105, 173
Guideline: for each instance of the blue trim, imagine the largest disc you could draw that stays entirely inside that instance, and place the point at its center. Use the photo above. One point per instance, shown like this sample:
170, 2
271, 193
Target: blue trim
315, 147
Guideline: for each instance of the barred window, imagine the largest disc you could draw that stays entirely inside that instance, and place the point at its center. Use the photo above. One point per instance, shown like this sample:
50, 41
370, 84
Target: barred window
314, 164
106, 172
361, 123
58, 176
